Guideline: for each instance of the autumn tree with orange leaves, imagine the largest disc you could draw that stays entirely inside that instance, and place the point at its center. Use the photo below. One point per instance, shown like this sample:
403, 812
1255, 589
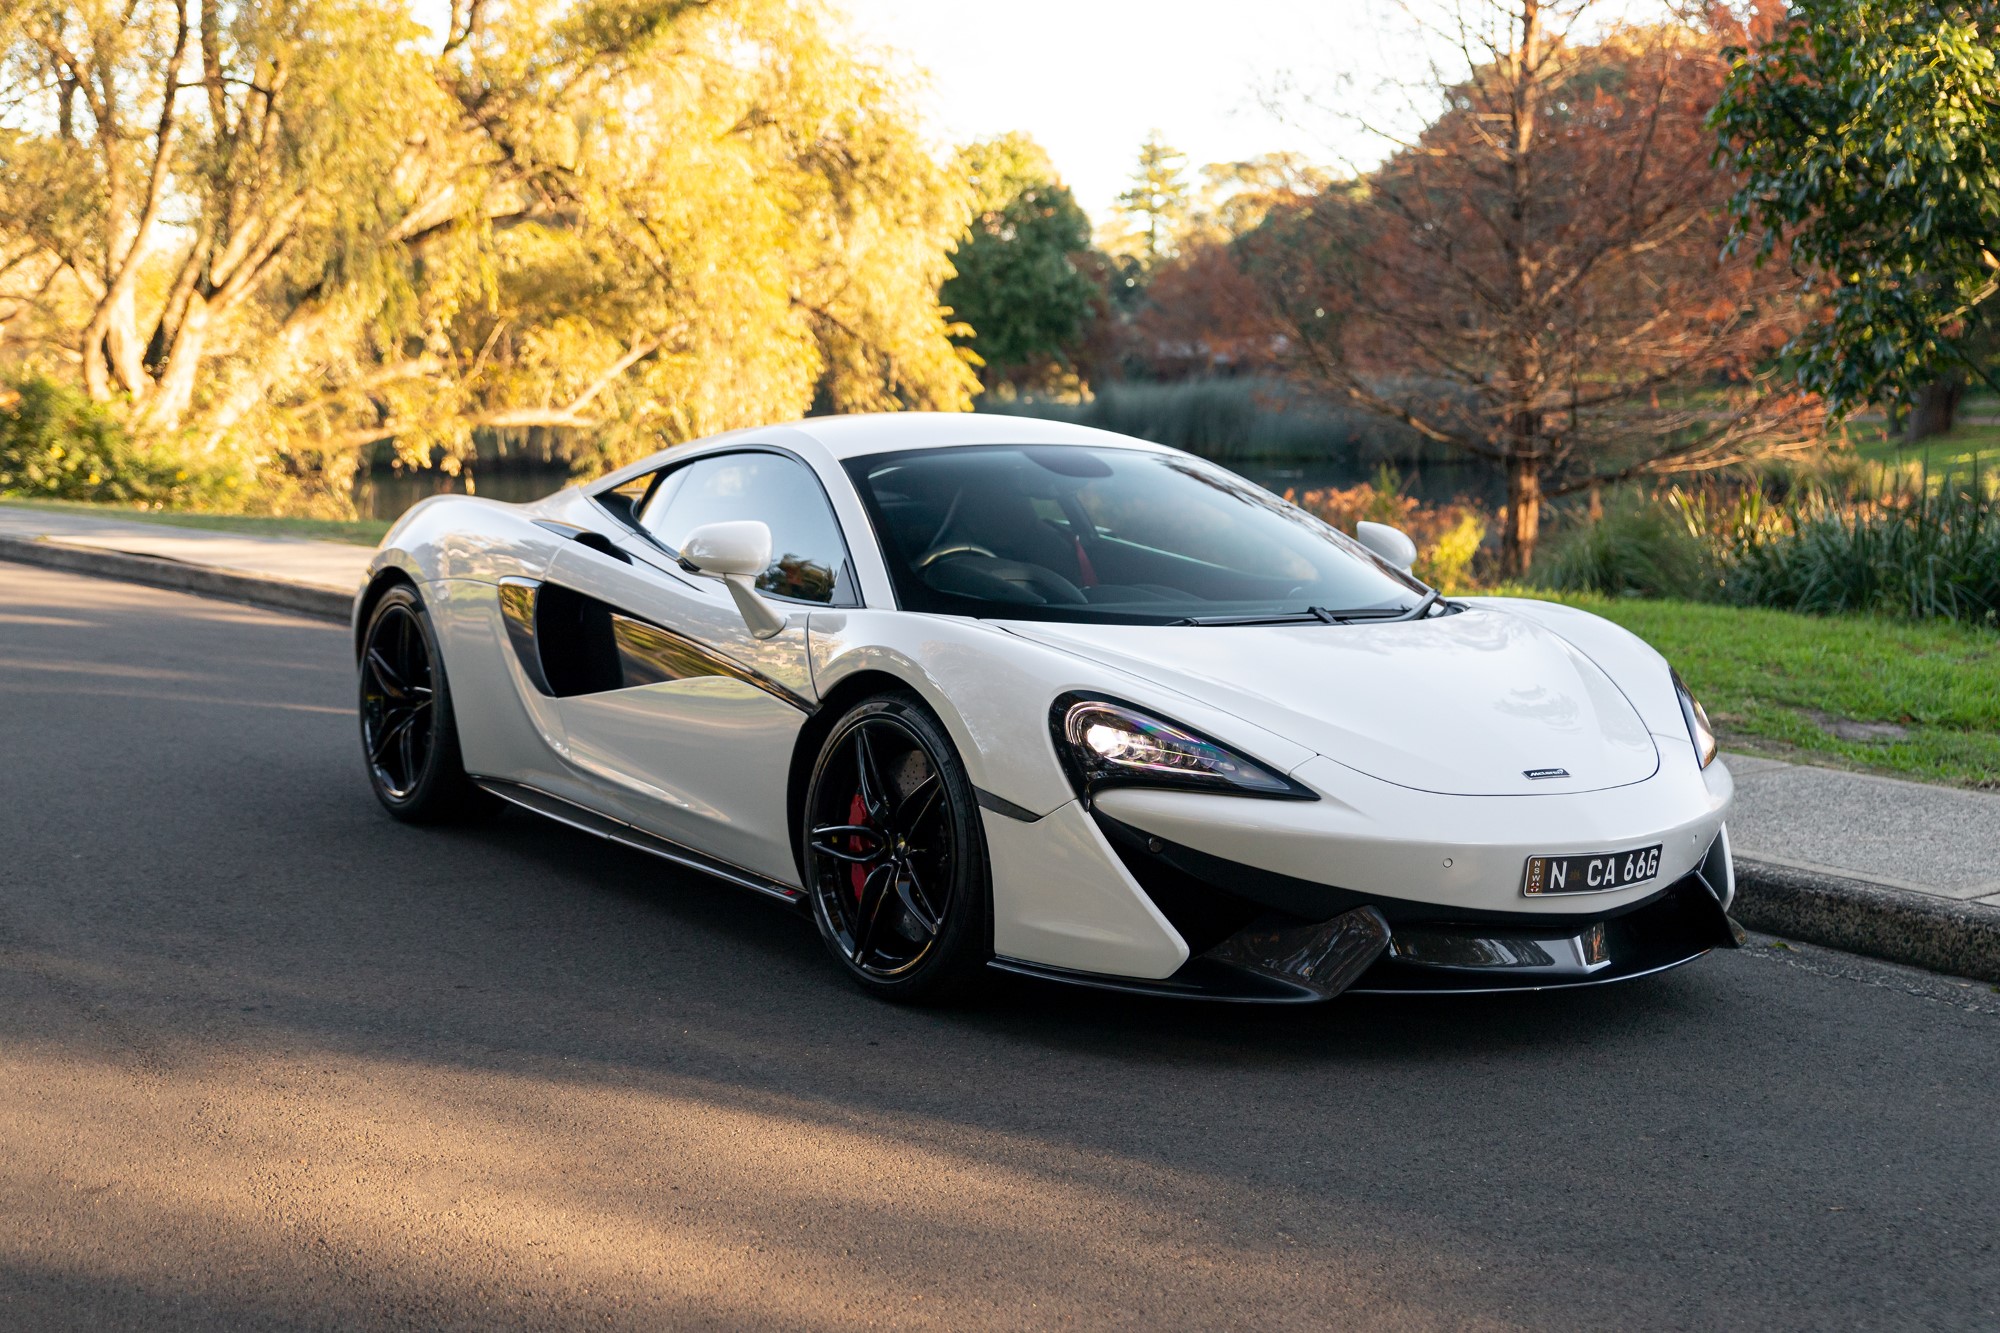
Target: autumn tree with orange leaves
1539, 278
1203, 316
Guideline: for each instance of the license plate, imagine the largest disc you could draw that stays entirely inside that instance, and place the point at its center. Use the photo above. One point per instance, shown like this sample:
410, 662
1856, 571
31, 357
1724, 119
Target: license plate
1594, 872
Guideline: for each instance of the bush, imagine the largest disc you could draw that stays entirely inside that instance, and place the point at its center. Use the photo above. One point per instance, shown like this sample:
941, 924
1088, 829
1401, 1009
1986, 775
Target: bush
1446, 562
58, 444
1448, 536
1638, 547
1875, 541
1927, 552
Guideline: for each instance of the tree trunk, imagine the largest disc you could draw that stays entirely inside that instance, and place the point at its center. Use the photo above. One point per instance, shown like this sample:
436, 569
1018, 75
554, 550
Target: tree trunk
1935, 409
113, 356
123, 347
1523, 521
174, 392
1522, 327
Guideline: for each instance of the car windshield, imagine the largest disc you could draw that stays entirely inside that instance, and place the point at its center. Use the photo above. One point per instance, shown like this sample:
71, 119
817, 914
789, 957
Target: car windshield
1110, 535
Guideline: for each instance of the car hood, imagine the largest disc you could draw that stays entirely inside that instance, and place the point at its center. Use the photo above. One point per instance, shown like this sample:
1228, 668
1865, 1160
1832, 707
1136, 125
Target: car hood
1467, 704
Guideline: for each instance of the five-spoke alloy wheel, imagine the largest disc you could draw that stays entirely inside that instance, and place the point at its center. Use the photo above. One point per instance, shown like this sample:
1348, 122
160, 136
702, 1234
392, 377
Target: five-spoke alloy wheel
408, 734
894, 858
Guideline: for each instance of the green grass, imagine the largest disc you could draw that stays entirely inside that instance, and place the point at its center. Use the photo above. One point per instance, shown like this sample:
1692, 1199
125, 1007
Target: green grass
357, 532
1763, 675
1958, 451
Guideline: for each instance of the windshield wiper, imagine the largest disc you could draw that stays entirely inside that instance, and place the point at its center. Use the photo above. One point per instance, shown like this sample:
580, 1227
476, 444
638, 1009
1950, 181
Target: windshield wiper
1322, 615
1277, 618
1422, 608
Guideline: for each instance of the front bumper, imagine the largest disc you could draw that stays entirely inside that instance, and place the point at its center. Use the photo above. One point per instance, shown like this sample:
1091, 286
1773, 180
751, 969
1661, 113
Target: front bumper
1463, 853
1259, 937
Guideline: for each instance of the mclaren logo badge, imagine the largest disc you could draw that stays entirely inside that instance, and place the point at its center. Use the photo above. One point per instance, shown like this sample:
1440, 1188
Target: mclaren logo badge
1536, 774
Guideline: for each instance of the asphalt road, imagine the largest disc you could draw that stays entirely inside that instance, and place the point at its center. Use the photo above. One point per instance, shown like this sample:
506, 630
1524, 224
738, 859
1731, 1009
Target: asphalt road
268, 1059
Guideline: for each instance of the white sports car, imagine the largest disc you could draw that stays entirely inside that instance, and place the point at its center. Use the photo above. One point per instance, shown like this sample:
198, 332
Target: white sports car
986, 692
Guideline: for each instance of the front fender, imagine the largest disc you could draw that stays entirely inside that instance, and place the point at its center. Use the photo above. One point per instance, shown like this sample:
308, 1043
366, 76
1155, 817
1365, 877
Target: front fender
993, 690
1635, 666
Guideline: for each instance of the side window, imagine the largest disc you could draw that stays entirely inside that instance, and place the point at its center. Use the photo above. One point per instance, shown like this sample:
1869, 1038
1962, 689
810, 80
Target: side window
626, 499
808, 557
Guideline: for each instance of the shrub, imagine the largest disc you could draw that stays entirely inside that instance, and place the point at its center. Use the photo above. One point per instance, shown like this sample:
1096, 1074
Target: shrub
1446, 563
1879, 540
1448, 536
57, 443
1925, 552
1638, 547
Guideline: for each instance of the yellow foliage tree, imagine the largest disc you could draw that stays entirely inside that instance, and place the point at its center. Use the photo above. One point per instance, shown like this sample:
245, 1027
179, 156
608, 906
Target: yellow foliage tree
300, 227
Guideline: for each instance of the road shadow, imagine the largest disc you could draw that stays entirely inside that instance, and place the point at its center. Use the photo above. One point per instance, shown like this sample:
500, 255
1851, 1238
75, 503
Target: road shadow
214, 945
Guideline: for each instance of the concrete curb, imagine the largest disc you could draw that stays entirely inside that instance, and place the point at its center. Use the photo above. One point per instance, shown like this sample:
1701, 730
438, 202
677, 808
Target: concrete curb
278, 594
1938, 934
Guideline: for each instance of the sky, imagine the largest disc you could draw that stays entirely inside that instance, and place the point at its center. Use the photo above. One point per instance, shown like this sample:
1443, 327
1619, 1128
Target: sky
1089, 78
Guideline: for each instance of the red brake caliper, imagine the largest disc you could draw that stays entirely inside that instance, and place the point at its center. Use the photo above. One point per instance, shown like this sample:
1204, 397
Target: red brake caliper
857, 813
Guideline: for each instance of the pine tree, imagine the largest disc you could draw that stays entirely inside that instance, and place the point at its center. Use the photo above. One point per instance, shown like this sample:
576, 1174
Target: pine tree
1156, 206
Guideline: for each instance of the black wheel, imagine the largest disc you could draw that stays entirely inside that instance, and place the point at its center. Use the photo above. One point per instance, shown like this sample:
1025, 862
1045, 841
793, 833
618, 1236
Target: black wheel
895, 860
408, 734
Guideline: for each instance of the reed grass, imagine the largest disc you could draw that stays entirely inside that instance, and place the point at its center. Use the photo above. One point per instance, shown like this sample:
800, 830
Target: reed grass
1234, 419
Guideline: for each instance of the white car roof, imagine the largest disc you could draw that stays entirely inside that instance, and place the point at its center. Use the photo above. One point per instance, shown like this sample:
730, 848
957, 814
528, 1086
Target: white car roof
864, 433
891, 432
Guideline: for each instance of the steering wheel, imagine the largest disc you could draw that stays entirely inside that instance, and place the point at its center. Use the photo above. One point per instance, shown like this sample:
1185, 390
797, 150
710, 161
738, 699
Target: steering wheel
937, 553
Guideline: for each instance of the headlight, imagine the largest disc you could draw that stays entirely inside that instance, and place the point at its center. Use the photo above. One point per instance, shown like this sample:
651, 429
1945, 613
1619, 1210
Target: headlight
1107, 744
1696, 718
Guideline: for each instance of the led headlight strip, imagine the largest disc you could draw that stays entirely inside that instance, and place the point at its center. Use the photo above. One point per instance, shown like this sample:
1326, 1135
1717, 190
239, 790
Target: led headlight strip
1696, 718
1105, 743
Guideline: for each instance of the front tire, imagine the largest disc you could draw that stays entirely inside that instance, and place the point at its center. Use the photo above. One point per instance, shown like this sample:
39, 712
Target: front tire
895, 858
409, 735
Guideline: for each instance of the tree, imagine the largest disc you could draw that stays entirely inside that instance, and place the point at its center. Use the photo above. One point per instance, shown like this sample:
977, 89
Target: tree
1154, 208
302, 226
750, 223
1018, 286
1236, 197
1536, 279
1203, 315
1865, 132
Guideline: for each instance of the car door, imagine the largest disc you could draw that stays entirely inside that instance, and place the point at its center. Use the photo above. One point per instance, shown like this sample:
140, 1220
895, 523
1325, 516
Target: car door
693, 739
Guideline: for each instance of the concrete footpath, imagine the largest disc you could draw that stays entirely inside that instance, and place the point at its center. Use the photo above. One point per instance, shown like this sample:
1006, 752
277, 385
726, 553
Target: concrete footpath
287, 573
1892, 869
1873, 865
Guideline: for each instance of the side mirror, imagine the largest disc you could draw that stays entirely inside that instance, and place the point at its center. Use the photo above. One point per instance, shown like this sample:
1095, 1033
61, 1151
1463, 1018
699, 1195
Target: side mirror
1392, 544
736, 553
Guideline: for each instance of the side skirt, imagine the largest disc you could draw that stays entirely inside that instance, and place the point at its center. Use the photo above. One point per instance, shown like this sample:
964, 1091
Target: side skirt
613, 830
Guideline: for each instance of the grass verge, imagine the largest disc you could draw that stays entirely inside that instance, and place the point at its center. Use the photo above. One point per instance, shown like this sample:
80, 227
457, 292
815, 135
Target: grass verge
1774, 682
1970, 443
357, 532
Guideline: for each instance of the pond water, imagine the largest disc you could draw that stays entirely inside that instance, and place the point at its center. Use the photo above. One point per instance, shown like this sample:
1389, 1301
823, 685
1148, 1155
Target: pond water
387, 494
1434, 482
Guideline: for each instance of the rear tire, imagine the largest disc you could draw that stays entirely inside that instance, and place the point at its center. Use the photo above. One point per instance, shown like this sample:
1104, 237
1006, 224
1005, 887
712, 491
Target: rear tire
409, 735
895, 856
